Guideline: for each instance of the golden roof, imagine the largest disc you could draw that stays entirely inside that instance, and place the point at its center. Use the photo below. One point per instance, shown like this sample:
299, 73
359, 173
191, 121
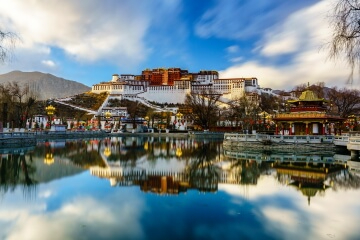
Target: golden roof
308, 96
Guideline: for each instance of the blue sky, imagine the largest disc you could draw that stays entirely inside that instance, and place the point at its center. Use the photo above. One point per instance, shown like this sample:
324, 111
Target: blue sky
281, 42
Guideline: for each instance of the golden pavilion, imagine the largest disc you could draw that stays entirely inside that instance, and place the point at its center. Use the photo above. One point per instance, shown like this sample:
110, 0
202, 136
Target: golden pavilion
308, 115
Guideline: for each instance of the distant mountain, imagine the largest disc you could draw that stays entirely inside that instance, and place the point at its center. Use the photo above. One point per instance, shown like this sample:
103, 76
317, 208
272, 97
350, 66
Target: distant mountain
45, 85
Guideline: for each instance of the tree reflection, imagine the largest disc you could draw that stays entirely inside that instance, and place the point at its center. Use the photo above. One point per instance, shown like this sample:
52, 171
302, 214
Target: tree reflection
203, 174
345, 180
249, 171
16, 170
84, 153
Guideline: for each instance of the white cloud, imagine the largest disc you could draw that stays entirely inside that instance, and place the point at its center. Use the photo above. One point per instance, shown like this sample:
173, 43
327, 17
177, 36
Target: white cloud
48, 63
288, 215
31, 59
281, 219
233, 19
307, 28
120, 33
308, 62
86, 31
233, 49
83, 216
236, 59
45, 194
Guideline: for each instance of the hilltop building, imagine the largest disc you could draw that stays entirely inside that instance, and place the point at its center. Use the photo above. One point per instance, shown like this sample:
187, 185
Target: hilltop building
163, 76
173, 84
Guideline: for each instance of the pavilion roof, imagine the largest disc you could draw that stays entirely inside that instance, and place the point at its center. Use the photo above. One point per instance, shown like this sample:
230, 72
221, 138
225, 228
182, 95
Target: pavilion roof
308, 96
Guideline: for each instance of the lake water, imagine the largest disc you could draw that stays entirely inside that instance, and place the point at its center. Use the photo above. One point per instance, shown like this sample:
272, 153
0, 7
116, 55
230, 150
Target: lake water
167, 188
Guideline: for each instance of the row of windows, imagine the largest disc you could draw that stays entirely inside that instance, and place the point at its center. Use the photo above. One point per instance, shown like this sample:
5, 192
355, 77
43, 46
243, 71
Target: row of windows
137, 87
213, 87
167, 88
101, 87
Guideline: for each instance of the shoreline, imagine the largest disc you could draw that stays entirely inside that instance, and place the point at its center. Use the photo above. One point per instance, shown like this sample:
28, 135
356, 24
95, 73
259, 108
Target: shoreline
18, 139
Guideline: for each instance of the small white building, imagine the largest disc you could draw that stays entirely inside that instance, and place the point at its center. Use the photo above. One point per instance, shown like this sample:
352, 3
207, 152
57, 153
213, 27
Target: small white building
38, 121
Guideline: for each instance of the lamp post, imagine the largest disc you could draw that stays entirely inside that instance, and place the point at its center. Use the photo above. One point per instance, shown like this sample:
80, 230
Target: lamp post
50, 110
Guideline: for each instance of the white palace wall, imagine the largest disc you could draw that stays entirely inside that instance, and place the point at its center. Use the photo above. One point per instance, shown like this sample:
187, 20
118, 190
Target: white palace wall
165, 94
117, 88
231, 89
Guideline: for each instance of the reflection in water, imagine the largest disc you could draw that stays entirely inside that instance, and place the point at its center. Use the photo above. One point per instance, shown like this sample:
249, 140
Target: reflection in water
17, 169
308, 177
310, 173
203, 172
172, 166
155, 165
160, 165
149, 178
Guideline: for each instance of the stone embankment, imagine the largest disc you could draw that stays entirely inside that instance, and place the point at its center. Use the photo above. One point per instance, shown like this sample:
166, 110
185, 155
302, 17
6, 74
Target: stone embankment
30, 137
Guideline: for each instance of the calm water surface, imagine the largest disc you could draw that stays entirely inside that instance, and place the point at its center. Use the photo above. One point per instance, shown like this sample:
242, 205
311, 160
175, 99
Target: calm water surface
166, 188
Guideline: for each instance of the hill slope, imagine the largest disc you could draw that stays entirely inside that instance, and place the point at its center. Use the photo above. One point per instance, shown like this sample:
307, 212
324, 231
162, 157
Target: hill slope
45, 85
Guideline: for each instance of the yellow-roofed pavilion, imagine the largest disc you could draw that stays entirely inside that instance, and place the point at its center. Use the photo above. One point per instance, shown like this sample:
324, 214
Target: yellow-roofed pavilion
308, 115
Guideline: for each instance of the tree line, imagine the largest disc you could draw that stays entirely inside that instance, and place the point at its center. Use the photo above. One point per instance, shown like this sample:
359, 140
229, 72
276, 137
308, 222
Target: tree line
204, 109
17, 104
251, 110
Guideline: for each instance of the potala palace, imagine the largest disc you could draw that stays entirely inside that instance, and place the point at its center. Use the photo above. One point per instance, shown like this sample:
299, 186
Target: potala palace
173, 84
156, 87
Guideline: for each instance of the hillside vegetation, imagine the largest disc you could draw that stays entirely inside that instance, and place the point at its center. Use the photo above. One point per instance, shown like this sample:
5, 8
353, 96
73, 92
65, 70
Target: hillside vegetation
88, 100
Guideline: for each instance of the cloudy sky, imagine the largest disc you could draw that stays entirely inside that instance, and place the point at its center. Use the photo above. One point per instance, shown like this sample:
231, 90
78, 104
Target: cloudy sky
281, 42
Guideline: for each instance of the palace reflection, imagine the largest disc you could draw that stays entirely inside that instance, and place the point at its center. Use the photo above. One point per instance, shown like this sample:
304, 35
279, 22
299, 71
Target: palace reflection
161, 165
203, 165
171, 166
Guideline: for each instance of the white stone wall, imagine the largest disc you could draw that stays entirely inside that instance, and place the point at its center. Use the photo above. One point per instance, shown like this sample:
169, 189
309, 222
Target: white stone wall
165, 94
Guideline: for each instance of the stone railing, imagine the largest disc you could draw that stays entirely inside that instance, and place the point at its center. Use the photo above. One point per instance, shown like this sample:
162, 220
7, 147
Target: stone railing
278, 138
